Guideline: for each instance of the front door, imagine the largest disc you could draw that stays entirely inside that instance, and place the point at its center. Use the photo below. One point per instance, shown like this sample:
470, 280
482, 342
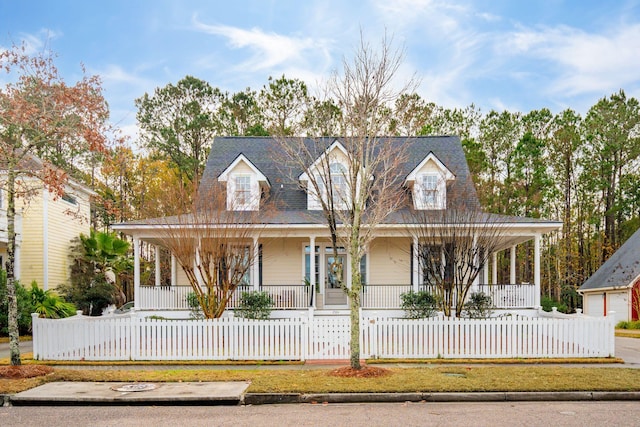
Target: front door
334, 275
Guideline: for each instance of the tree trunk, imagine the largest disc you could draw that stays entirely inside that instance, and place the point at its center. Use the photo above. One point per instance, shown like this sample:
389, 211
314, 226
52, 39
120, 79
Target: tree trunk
354, 296
14, 335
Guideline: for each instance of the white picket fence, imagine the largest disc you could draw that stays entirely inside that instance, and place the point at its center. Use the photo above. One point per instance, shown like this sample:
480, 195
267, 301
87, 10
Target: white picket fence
302, 338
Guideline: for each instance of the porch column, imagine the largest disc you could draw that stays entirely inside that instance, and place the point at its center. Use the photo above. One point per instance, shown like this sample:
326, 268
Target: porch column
158, 269
512, 265
312, 267
136, 273
476, 262
196, 263
174, 270
415, 271
255, 266
494, 268
485, 274
536, 269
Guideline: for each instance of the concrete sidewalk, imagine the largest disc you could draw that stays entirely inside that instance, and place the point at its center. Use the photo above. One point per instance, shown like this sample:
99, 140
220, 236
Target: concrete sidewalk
118, 393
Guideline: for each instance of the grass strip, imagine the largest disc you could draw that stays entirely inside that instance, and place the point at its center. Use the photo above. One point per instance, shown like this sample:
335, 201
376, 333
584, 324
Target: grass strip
421, 379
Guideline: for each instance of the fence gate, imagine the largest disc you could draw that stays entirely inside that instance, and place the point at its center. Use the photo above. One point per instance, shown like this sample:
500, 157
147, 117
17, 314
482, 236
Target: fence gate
329, 338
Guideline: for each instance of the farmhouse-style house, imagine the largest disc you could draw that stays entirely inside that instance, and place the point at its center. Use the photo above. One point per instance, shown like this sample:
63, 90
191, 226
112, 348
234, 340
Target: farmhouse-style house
294, 258
45, 225
615, 286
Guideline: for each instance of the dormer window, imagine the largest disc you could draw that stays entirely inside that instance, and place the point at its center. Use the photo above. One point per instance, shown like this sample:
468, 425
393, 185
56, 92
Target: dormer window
243, 190
338, 177
338, 183
428, 183
429, 190
245, 184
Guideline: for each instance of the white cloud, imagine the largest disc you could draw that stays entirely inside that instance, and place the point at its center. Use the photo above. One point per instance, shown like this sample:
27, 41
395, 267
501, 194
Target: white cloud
269, 49
35, 43
588, 62
441, 18
115, 74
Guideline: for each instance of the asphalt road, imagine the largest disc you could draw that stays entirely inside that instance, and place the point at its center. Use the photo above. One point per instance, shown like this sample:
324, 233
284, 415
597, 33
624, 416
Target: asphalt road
370, 415
25, 347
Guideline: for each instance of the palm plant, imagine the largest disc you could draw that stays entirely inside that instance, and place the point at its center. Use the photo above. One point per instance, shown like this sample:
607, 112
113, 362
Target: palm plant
48, 304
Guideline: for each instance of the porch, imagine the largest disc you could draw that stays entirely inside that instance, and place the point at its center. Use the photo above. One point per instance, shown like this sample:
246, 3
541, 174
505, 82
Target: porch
297, 271
303, 297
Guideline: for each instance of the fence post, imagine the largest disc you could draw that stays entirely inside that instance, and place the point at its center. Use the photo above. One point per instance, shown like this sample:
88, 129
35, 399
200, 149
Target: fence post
304, 337
134, 328
611, 329
36, 335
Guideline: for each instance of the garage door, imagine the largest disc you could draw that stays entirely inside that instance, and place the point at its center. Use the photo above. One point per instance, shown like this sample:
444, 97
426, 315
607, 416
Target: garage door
594, 304
619, 302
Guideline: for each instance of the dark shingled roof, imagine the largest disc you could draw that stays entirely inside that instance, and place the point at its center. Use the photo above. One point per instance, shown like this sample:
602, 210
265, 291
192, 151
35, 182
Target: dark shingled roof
291, 199
264, 153
620, 270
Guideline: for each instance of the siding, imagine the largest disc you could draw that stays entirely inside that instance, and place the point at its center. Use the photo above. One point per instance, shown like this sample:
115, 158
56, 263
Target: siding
31, 251
65, 222
390, 261
282, 261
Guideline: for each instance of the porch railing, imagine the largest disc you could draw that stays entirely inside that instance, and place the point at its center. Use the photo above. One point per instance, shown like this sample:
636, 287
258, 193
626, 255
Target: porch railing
175, 297
383, 296
292, 297
513, 296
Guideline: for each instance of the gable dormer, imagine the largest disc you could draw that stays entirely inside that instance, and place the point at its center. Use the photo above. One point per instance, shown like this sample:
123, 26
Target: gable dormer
331, 169
245, 184
428, 183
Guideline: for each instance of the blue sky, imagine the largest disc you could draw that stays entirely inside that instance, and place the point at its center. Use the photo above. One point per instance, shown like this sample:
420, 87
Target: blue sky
498, 54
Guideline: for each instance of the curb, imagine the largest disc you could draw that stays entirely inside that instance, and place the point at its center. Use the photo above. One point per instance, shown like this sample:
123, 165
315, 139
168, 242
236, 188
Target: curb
274, 398
315, 398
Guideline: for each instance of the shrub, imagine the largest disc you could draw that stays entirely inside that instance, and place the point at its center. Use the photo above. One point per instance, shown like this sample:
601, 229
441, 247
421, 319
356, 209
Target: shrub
195, 311
635, 324
24, 307
418, 305
255, 305
547, 303
479, 306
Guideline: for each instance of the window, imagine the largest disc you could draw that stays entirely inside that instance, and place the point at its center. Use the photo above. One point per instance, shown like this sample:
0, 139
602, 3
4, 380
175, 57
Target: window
243, 190
235, 265
69, 199
430, 262
338, 183
307, 264
429, 190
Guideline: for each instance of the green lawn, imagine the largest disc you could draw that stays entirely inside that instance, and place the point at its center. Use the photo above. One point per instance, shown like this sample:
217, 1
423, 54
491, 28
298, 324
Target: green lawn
459, 378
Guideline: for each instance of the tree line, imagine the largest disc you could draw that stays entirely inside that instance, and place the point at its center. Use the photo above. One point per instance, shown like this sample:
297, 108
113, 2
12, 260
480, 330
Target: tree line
583, 171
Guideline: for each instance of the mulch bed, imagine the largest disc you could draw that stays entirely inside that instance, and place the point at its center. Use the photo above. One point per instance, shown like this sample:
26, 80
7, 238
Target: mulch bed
24, 371
364, 372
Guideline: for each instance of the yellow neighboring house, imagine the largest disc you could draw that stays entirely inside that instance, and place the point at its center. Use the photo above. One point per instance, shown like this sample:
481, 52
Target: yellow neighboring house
46, 224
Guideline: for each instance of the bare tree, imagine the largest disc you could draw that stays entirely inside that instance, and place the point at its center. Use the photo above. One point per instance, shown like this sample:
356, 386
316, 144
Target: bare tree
213, 245
355, 179
454, 246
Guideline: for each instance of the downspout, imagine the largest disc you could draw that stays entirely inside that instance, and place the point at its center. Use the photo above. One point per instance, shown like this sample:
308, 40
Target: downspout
45, 239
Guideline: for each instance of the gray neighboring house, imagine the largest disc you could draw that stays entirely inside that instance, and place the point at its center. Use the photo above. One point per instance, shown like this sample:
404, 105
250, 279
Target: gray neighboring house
615, 286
